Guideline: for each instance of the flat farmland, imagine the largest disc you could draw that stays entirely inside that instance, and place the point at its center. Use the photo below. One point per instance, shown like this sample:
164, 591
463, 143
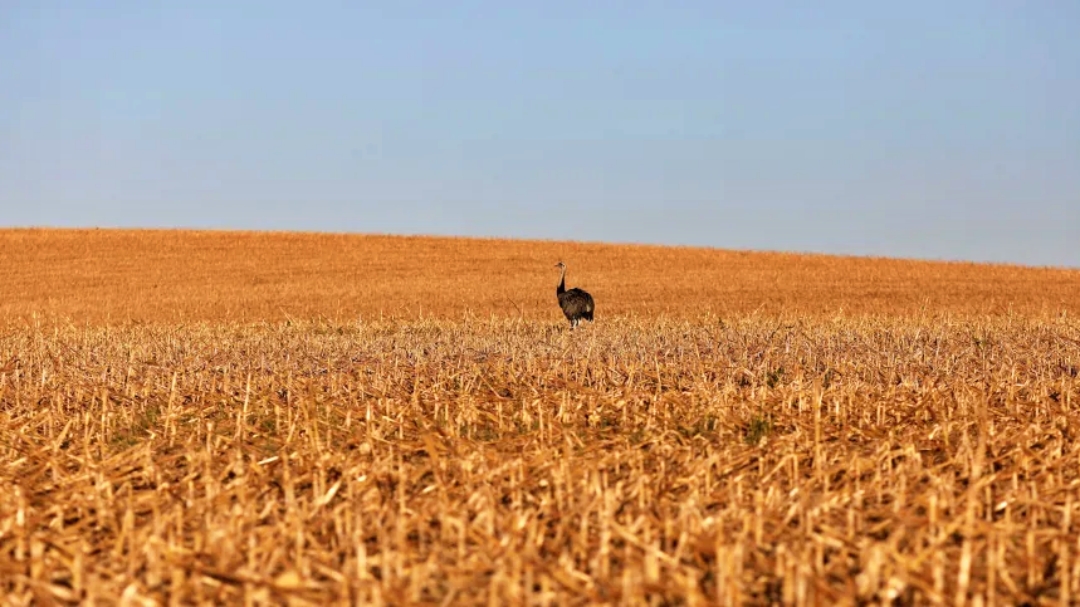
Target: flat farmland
280, 418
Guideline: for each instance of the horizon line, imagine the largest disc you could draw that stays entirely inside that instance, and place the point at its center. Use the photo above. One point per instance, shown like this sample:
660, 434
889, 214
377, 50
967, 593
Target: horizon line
611, 243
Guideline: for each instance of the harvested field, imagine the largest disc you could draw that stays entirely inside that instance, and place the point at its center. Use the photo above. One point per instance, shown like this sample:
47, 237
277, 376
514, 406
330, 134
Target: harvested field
272, 419
115, 276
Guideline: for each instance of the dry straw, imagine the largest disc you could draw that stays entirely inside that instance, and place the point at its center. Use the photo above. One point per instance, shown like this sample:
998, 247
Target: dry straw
925, 456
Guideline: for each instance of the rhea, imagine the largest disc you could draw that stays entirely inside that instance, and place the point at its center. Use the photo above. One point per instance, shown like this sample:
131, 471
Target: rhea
576, 304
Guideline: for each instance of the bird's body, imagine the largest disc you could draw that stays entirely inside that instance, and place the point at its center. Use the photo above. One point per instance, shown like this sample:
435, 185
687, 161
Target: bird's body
576, 304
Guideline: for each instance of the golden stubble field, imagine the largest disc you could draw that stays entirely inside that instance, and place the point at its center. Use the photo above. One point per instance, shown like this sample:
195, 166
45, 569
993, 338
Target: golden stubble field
239, 418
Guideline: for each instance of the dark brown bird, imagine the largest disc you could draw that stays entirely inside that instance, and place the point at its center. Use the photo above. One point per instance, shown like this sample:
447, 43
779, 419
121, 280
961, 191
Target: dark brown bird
575, 303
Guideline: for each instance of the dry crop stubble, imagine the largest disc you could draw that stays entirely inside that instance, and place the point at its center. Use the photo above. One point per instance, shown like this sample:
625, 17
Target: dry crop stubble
742, 461
924, 454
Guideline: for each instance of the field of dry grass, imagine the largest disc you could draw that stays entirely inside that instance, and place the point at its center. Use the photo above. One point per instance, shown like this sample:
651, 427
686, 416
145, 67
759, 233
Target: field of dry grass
300, 419
114, 276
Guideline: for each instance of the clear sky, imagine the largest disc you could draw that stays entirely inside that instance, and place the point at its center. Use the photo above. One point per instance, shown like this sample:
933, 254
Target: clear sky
943, 130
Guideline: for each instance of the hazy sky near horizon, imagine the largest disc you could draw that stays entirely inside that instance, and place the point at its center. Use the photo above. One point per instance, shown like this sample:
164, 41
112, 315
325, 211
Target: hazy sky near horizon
942, 130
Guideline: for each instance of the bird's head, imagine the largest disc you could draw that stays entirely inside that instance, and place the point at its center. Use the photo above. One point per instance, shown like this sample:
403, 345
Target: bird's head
560, 265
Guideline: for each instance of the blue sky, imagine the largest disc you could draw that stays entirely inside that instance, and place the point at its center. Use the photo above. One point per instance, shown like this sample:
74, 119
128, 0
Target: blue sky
919, 129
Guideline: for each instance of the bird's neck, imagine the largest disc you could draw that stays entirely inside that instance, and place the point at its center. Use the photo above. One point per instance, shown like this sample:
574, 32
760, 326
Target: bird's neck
562, 283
